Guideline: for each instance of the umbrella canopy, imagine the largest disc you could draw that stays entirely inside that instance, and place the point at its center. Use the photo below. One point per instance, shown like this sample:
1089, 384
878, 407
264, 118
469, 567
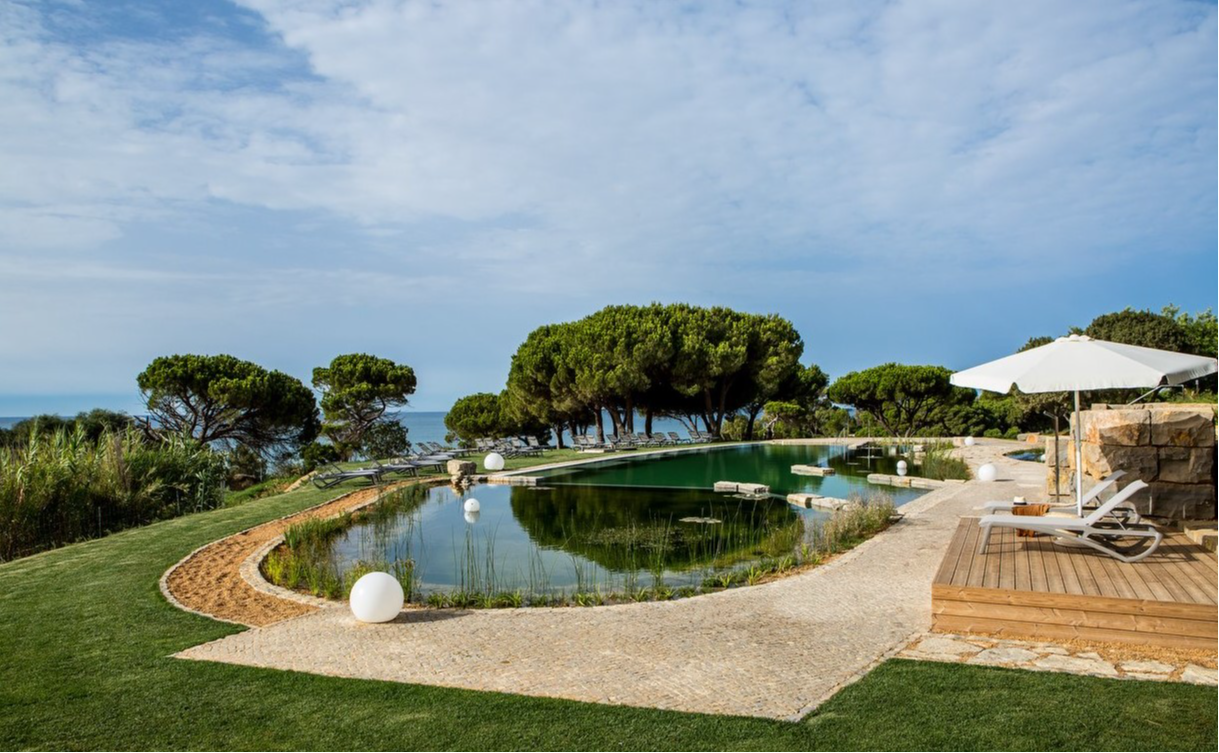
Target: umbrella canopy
1079, 363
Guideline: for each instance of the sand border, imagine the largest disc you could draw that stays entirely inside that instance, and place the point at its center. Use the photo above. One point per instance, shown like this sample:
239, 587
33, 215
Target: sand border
195, 598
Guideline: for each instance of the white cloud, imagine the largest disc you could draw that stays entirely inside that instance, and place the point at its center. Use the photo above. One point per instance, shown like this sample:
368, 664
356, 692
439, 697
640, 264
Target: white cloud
654, 150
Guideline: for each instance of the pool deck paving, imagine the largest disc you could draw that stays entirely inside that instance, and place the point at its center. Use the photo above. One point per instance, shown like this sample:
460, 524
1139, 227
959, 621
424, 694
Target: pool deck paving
776, 650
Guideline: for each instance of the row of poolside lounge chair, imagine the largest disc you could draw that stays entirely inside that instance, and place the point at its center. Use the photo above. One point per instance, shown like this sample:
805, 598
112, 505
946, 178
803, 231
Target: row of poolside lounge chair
426, 456
636, 440
511, 447
1113, 527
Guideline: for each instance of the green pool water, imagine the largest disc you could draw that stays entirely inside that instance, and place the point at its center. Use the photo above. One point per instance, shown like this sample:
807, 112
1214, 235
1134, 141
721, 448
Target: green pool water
753, 463
615, 525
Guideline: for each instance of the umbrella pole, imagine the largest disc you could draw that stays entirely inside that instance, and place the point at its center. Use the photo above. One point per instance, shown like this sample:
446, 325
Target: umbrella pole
1079, 463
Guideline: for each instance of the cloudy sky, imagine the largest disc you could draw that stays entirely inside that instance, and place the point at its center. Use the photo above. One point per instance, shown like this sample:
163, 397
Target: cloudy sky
286, 180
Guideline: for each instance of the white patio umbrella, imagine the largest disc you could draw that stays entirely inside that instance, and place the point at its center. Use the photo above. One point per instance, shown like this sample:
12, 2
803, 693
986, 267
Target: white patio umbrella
1079, 363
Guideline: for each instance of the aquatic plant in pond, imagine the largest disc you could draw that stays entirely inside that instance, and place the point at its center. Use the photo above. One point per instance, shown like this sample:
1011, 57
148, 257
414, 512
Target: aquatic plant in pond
940, 465
306, 559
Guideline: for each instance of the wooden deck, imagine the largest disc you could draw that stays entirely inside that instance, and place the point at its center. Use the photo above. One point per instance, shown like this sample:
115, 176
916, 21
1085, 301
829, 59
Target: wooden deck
1034, 588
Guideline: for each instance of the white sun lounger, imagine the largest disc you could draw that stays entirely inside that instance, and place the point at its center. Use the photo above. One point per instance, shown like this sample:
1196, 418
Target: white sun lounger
1101, 530
1066, 507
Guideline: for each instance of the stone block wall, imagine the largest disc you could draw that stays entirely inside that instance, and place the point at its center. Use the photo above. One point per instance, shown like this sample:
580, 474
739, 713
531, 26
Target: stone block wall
1170, 446
1059, 458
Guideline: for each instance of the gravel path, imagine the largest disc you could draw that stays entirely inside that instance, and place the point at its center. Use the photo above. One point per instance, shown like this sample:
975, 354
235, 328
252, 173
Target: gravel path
776, 650
208, 581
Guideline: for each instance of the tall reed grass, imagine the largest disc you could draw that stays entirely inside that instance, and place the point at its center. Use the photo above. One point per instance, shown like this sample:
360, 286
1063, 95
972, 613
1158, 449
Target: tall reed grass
61, 487
306, 560
939, 464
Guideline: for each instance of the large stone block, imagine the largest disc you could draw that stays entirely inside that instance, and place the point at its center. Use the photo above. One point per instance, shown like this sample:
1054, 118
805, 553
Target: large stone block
1183, 428
1138, 462
1187, 465
1127, 428
461, 468
1178, 501
1061, 455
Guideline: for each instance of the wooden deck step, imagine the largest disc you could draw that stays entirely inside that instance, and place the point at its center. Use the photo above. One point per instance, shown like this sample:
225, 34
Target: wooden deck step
1035, 588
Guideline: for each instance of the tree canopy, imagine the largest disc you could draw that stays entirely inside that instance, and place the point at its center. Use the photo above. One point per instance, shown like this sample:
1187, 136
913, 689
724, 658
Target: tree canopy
357, 390
688, 362
224, 399
1142, 328
905, 400
474, 417
92, 424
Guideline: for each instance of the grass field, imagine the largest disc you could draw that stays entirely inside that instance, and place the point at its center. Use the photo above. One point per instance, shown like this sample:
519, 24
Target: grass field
85, 639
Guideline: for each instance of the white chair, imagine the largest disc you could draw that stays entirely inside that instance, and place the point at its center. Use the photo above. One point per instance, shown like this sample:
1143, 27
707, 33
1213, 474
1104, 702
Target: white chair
1070, 507
1100, 530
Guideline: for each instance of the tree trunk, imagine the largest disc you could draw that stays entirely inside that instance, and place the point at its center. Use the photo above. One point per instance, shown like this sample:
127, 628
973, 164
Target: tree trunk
753, 416
630, 414
600, 419
647, 421
558, 435
617, 421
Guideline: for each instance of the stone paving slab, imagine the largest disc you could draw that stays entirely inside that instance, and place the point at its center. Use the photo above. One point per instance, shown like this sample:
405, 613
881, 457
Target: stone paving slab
776, 650
1052, 657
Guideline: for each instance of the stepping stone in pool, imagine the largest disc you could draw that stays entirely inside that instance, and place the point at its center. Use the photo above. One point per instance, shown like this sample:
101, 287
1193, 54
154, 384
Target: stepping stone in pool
812, 470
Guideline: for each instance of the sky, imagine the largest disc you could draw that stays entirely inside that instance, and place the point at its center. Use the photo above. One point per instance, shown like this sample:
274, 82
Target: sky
287, 180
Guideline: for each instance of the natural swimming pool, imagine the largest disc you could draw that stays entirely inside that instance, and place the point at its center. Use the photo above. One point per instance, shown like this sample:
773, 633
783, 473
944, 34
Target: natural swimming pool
619, 525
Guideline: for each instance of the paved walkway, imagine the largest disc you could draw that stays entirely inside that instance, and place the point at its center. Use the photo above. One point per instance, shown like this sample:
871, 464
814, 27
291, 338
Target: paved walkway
776, 650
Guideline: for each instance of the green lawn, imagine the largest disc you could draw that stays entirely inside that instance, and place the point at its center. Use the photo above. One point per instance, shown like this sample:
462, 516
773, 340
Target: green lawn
85, 637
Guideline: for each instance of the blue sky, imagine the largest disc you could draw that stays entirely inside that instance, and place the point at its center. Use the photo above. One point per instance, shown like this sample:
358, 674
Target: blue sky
287, 180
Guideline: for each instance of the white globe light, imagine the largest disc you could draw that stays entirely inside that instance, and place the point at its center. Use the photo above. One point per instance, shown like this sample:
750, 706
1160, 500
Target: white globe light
471, 505
470, 516
988, 473
969, 441
377, 597
494, 462
901, 468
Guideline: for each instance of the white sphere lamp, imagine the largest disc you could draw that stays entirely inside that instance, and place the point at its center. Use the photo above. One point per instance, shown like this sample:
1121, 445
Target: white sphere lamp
988, 473
377, 597
969, 441
471, 505
902, 468
494, 462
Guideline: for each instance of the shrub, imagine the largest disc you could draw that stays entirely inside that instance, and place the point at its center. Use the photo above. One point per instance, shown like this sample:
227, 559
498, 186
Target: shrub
62, 487
317, 453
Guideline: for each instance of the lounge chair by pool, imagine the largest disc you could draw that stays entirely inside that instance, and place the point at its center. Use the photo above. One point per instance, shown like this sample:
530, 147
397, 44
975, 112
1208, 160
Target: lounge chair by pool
1103, 529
